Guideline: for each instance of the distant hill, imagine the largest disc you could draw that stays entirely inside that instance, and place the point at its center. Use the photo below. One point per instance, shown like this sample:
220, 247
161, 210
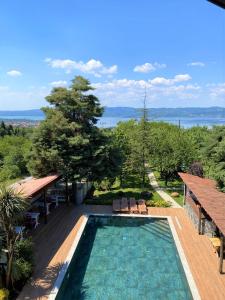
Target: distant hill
30, 112
130, 112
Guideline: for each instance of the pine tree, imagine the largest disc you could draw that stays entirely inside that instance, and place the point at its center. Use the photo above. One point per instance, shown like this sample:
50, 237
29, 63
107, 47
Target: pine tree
68, 140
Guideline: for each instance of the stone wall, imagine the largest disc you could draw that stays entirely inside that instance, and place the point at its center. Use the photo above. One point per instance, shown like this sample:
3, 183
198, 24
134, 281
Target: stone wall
208, 228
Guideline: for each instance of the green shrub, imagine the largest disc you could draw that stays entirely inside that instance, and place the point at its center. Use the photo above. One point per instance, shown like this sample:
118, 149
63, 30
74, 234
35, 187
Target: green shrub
146, 195
157, 203
4, 294
24, 250
9, 172
120, 194
96, 201
22, 269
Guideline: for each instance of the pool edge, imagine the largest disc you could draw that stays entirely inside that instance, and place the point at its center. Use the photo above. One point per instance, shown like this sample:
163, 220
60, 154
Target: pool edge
189, 277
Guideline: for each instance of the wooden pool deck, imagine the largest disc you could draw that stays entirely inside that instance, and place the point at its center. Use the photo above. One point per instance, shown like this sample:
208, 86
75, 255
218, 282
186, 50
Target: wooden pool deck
53, 241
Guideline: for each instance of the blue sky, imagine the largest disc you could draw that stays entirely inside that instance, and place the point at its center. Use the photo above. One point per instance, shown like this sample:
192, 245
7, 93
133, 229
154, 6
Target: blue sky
176, 49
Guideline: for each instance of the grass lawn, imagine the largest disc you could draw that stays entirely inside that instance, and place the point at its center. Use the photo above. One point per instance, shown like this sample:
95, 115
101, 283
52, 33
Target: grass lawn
131, 189
173, 186
179, 199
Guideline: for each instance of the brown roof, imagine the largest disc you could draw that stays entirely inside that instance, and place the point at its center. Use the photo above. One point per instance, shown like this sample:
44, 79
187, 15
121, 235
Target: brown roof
33, 186
209, 197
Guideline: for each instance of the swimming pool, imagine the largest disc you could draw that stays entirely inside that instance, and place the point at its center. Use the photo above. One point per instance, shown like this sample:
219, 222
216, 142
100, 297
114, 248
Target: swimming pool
122, 257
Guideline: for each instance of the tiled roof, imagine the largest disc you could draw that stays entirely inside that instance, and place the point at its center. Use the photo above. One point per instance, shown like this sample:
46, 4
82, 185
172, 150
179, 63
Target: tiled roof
210, 198
32, 186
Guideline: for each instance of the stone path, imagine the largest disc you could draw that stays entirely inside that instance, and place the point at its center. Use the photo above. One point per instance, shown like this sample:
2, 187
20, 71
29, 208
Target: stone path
161, 192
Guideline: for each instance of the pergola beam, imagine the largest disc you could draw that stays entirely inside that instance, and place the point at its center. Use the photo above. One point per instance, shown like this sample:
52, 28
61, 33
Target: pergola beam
220, 3
221, 253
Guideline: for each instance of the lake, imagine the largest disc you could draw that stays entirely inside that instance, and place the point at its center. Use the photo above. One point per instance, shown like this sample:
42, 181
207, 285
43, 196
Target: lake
105, 122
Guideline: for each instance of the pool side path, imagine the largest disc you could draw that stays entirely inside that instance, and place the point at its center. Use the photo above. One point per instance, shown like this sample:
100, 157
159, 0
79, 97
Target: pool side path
160, 191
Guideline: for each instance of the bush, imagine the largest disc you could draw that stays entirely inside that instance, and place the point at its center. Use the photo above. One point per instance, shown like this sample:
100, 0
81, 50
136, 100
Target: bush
22, 270
96, 201
157, 203
4, 294
24, 250
146, 195
120, 194
9, 172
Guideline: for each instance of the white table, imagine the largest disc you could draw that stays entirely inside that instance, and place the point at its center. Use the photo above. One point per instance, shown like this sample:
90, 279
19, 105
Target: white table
34, 216
47, 206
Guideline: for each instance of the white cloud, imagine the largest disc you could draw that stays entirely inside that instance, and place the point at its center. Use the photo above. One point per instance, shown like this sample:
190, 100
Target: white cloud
59, 83
196, 64
160, 91
148, 67
170, 81
217, 90
14, 73
92, 66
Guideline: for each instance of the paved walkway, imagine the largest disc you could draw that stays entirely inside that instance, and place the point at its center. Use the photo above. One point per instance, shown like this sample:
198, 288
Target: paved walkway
160, 191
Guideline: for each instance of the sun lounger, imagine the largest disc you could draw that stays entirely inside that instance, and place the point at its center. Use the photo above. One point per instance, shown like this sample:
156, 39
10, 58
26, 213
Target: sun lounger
142, 208
116, 205
133, 206
124, 205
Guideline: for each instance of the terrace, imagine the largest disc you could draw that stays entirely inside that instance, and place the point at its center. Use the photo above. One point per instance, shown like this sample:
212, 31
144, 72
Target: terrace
53, 242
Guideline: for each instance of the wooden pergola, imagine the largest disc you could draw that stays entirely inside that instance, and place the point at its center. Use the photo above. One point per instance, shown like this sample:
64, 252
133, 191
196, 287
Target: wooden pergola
32, 188
209, 201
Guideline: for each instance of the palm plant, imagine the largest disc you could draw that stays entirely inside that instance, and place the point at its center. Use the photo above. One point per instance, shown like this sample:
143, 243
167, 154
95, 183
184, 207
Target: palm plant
12, 207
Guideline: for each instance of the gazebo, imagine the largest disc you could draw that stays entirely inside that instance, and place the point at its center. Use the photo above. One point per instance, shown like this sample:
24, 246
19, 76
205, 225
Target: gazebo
34, 189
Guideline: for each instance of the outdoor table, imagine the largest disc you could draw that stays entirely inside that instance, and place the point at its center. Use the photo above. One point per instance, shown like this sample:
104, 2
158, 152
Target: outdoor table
34, 216
47, 206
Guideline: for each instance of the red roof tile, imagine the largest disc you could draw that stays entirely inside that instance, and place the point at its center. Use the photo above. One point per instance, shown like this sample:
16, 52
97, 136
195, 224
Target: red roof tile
210, 198
32, 186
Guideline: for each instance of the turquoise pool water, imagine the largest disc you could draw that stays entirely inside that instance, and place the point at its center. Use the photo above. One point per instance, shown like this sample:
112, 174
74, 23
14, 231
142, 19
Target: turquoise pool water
125, 258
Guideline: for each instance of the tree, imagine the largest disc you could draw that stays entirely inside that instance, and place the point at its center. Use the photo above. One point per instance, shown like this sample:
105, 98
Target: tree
214, 155
12, 207
196, 169
133, 140
172, 150
108, 160
68, 140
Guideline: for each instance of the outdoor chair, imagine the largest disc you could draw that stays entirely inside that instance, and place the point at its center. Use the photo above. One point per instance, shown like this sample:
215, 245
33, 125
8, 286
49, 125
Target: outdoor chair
133, 205
142, 208
116, 205
124, 206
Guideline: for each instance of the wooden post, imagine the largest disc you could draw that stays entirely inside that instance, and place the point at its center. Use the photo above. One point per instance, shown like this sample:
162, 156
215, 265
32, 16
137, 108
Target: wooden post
199, 219
45, 208
221, 253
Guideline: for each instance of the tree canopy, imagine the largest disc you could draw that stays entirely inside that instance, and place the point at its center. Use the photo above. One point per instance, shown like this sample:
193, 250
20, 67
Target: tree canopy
68, 140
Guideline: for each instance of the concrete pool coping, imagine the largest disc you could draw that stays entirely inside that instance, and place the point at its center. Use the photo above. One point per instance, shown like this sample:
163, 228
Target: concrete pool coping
66, 263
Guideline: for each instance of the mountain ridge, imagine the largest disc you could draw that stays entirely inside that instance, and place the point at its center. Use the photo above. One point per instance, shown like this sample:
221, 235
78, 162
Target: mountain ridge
131, 112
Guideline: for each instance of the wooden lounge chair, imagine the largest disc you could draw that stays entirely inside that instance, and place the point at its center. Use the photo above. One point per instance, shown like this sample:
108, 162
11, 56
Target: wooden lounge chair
116, 205
124, 205
142, 208
133, 205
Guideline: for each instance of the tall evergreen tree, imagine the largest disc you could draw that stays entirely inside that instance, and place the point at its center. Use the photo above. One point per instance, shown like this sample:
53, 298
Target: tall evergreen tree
68, 140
